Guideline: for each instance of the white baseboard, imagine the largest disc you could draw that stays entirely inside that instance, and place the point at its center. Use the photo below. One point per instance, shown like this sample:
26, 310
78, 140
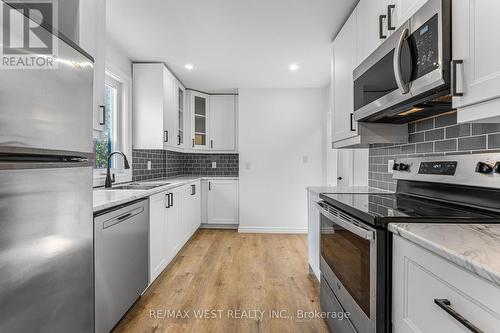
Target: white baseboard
271, 230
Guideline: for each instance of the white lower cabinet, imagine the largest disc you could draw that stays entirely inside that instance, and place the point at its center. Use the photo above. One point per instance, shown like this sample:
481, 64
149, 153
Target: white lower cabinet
421, 279
191, 209
313, 234
157, 234
174, 217
222, 204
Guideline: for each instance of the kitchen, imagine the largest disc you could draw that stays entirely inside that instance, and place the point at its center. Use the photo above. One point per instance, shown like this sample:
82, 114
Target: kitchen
325, 166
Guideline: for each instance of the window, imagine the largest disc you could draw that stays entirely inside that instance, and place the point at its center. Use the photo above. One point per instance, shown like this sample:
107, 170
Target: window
109, 141
116, 134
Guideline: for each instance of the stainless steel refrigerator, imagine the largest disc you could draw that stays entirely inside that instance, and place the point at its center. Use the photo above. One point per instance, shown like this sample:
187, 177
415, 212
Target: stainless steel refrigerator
46, 226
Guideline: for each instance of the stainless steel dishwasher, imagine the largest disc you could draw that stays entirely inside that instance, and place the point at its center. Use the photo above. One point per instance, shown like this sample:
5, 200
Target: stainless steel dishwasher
121, 250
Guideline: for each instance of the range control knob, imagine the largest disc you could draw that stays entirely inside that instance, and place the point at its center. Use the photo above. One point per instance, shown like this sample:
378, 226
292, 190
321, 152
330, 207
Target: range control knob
496, 168
484, 168
396, 166
404, 167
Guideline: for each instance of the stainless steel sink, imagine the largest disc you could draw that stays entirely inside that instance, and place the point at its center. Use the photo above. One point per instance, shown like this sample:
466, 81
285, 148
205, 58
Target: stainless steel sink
138, 186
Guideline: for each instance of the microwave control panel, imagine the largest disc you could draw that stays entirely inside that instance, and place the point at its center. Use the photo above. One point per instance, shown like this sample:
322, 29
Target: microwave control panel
425, 48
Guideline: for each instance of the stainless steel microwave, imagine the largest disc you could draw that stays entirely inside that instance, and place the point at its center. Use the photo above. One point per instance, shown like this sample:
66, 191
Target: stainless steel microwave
408, 76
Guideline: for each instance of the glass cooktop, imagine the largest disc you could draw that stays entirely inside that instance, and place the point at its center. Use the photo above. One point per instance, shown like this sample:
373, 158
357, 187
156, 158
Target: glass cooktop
382, 208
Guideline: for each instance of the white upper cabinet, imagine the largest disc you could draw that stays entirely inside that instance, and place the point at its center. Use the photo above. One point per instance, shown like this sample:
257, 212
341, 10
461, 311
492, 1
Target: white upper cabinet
181, 102
92, 39
156, 111
370, 28
169, 109
405, 9
475, 46
223, 122
199, 120
344, 49
357, 39
213, 121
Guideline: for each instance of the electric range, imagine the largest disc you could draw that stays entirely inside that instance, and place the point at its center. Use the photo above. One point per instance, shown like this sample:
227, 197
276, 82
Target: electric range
356, 247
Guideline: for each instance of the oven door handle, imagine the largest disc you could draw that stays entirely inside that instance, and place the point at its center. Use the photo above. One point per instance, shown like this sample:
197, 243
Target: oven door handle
361, 232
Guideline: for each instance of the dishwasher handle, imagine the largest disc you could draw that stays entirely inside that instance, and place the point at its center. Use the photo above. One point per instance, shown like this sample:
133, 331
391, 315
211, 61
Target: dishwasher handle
122, 218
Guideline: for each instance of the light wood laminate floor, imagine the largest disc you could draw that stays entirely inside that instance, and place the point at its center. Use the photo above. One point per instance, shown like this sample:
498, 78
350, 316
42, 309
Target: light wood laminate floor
225, 271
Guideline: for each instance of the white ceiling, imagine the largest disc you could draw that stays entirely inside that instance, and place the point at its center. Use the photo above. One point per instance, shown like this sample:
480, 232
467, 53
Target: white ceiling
231, 43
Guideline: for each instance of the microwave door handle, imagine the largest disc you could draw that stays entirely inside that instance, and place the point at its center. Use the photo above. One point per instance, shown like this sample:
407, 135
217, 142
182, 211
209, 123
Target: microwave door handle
403, 87
363, 233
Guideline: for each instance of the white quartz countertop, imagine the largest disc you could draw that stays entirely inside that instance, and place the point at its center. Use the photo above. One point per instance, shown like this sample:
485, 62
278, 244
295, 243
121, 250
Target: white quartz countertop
343, 189
105, 199
475, 247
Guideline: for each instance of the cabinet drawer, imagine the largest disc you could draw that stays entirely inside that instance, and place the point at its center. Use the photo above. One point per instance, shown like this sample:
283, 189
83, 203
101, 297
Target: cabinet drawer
421, 277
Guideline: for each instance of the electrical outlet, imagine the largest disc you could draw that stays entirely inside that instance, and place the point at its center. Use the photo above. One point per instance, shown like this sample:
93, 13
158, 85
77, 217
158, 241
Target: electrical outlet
214, 165
390, 166
149, 165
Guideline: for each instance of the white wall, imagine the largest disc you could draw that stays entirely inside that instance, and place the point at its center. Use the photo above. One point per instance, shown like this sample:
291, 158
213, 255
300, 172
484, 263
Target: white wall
281, 140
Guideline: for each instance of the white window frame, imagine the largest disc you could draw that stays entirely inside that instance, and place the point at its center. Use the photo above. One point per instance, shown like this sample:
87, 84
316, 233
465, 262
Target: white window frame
124, 129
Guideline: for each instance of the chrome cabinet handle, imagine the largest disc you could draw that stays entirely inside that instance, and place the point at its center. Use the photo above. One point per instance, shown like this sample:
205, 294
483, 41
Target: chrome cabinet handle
361, 232
353, 129
167, 196
454, 65
390, 11
446, 306
193, 189
165, 136
381, 19
403, 87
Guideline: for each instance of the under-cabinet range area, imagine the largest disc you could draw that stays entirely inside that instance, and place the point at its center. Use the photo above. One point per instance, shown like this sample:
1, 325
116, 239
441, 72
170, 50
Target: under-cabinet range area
250, 166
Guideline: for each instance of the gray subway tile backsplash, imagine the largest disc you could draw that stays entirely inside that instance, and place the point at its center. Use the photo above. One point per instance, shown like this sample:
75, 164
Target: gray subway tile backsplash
445, 146
437, 136
494, 141
434, 135
472, 143
478, 129
166, 163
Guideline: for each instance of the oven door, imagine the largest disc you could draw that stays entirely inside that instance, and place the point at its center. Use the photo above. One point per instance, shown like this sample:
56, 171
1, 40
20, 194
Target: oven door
349, 265
410, 68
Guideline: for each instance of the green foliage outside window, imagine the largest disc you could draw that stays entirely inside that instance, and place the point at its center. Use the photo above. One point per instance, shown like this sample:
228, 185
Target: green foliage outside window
102, 147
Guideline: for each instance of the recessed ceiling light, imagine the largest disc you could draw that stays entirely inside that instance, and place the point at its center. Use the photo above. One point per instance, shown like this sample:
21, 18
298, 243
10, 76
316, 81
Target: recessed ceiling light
189, 67
294, 67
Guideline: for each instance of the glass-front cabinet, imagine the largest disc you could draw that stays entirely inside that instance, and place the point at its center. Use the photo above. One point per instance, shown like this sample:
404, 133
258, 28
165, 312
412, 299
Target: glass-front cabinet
200, 114
180, 116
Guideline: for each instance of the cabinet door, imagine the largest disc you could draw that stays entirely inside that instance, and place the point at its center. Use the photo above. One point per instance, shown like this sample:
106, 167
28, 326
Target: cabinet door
405, 9
170, 110
195, 205
148, 106
475, 41
92, 32
191, 207
199, 122
223, 202
368, 28
222, 122
344, 63
180, 99
157, 235
175, 232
